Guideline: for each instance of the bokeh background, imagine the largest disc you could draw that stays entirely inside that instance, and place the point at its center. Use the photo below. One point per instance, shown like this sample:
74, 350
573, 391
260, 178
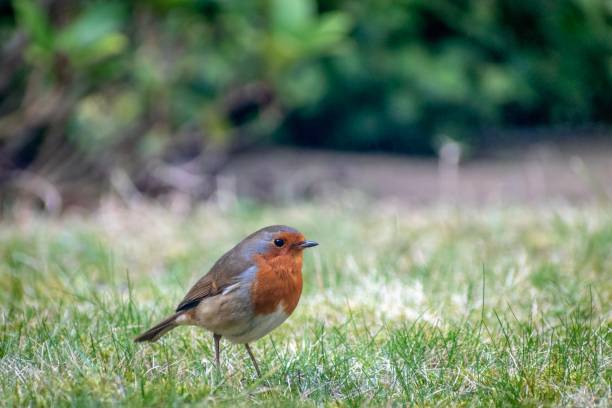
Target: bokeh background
191, 100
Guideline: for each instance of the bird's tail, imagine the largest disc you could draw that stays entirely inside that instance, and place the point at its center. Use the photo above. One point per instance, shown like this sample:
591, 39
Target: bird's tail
154, 333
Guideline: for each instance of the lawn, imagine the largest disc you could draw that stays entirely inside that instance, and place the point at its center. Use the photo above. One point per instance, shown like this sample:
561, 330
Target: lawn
435, 306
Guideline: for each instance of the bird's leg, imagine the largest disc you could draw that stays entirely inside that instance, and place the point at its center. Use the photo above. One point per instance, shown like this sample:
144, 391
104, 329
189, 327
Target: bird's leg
253, 359
217, 338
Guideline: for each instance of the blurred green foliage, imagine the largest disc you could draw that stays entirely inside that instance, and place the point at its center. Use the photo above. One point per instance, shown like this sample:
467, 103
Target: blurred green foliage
129, 83
421, 69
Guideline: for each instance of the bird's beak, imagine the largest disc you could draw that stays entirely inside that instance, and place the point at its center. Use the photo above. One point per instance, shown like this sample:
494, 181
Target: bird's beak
306, 244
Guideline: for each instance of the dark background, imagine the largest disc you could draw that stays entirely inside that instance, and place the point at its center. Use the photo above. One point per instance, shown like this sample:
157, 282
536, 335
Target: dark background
158, 97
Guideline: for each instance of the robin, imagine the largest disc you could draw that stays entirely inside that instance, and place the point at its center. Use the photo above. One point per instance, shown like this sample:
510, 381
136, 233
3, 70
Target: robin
248, 292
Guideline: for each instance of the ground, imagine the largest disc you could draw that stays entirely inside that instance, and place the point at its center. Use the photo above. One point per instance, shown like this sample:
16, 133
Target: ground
569, 172
428, 306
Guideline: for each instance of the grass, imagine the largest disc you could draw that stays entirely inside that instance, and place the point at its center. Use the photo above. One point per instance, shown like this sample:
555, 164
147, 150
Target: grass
420, 307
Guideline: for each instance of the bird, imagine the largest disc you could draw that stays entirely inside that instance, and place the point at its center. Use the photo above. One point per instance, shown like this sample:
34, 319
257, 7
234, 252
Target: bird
248, 292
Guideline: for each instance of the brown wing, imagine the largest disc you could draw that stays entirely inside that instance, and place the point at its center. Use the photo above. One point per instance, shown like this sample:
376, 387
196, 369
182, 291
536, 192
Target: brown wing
225, 272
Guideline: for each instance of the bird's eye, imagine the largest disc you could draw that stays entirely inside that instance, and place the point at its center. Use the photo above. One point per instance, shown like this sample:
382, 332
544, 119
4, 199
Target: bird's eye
279, 242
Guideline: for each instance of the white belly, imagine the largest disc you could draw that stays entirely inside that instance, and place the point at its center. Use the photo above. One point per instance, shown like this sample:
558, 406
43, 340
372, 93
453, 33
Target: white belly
258, 327
231, 315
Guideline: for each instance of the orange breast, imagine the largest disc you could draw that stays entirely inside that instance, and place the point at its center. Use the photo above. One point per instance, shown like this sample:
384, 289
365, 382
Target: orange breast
277, 280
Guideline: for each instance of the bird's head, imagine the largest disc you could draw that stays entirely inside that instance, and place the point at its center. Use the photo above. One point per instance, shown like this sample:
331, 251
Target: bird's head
276, 241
